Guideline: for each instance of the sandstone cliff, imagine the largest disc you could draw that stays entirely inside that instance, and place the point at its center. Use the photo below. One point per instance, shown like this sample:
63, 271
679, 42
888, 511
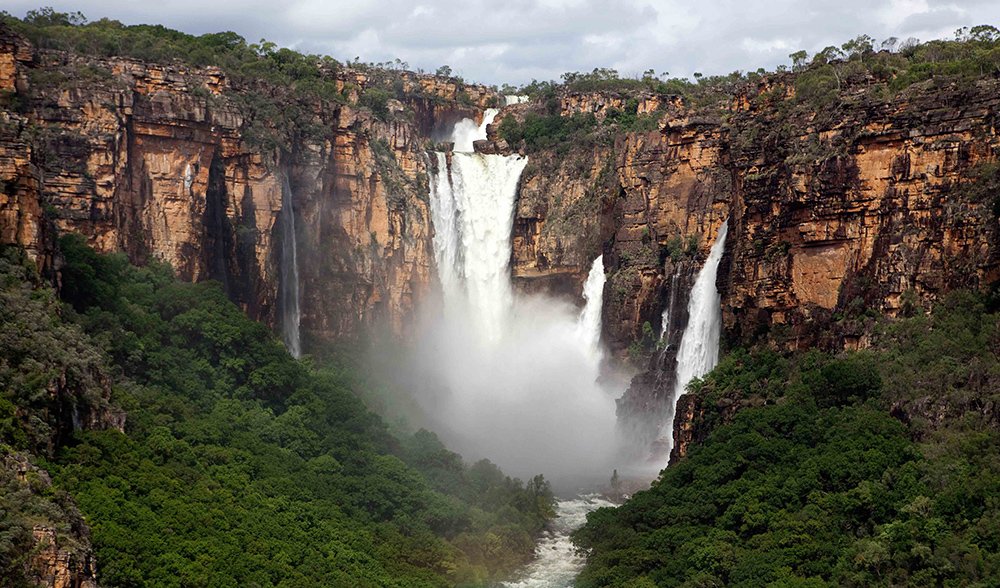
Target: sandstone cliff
838, 211
174, 163
54, 537
832, 210
837, 214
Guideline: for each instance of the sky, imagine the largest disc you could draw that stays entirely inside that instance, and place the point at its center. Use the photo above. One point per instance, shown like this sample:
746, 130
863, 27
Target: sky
515, 41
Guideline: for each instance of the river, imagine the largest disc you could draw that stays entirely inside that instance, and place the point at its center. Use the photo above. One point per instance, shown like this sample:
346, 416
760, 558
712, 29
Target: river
557, 563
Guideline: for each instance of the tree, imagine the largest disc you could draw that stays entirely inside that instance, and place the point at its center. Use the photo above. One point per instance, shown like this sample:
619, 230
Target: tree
858, 47
47, 17
984, 34
444, 71
827, 55
799, 60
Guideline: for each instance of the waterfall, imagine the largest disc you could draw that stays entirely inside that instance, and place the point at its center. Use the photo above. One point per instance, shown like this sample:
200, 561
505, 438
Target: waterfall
188, 177
473, 210
289, 290
669, 310
512, 99
510, 377
699, 349
466, 131
589, 325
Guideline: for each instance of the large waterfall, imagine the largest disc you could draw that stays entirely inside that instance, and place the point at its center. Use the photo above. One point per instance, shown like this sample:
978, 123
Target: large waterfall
472, 203
699, 349
289, 291
515, 376
589, 325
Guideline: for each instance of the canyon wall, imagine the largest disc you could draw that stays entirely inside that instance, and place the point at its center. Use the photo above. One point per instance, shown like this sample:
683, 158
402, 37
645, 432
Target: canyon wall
176, 164
839, 211
863, 208
838, 214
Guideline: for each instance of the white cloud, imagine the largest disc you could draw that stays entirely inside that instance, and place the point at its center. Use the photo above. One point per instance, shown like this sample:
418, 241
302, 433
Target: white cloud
517, 40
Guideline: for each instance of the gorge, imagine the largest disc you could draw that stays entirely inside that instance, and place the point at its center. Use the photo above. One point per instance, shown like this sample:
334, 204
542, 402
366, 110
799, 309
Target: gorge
495, 351
547, 281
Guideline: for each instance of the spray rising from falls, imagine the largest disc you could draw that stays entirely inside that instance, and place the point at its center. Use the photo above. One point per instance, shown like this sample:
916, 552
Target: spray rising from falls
699, 349
289, 292
516, 375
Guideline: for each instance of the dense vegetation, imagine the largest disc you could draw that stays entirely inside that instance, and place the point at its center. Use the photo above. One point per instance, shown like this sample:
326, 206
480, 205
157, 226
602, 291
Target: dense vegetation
276, 88
550, 129
813, 483
244, 62
860, 69
240, 466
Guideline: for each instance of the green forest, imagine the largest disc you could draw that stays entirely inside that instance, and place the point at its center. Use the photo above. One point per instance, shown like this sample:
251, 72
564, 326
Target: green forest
150, 422
239, 466
873, 468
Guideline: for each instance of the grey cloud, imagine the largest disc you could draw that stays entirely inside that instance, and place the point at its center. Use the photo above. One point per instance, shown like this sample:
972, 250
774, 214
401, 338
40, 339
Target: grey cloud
517, 40
936, 19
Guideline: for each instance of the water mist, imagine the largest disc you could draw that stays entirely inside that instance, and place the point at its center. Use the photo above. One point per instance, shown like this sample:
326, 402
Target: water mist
514, 377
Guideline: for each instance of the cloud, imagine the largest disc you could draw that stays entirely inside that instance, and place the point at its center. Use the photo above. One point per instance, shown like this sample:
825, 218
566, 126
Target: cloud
517, 40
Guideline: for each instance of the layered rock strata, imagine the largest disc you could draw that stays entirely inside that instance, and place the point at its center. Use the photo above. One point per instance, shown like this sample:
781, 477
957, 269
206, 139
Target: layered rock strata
176, 164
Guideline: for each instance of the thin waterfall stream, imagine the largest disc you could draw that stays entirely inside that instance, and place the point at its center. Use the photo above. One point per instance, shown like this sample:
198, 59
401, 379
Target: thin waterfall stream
291, 316
698, 352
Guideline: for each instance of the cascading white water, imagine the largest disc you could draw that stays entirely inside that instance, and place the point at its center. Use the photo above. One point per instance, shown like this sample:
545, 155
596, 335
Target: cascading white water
589, 325
520, 372
516, 375
466, 131
558, 561
699, 349
512, 99
473, 207
289, 291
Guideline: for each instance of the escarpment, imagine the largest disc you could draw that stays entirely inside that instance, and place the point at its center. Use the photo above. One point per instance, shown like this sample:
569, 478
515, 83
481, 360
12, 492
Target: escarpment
838, 213
832, 212
858, 204
180, 164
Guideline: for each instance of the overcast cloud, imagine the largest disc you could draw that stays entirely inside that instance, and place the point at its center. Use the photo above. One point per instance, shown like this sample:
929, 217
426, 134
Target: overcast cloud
519, 40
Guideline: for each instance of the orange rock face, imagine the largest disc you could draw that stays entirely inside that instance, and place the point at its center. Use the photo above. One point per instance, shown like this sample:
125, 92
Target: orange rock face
54, 567
828, 215
883, 215
833, 215
160, 162
861, 208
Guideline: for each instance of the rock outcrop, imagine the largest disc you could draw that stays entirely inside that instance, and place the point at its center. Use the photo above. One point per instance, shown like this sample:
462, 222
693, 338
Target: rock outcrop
172, 163
56, 546
859, 210
836, 214
54, 566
